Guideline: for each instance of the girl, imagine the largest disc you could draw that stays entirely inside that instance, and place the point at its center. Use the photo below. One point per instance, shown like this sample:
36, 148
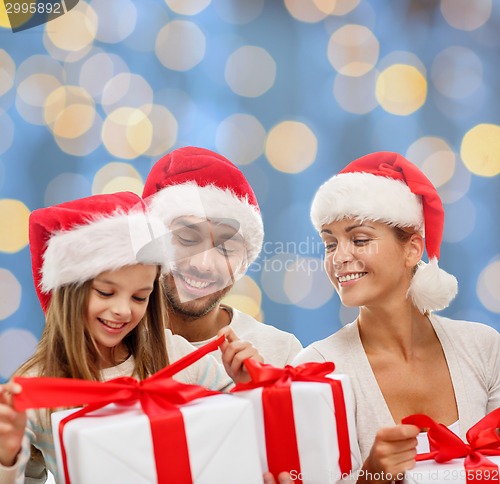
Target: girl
96, 267
401, 357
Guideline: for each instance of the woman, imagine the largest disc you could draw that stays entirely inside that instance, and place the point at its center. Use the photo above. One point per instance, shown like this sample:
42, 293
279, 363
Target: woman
401, 357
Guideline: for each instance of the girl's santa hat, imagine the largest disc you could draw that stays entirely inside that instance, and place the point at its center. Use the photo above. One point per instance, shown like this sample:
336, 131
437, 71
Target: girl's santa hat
197, 182
385, 187
75, 241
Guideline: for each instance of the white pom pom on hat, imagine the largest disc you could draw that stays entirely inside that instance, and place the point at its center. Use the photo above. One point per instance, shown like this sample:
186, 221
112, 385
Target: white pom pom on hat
385, 187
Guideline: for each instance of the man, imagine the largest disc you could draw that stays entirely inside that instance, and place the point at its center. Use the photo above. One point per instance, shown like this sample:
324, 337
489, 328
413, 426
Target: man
216, 232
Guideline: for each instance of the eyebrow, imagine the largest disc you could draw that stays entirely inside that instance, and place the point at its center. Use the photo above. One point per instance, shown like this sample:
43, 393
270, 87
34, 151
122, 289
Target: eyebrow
348, 229
111, 283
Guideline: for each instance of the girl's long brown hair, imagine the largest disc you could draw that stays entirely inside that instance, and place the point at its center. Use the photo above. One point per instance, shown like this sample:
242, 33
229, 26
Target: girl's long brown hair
67, 349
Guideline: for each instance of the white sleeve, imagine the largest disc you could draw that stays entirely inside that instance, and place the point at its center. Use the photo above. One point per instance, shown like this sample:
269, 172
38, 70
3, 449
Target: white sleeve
15, 474
206, 372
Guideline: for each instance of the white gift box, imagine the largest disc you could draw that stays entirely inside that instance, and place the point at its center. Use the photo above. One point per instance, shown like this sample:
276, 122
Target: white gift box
115, 445
316, 429
452, 472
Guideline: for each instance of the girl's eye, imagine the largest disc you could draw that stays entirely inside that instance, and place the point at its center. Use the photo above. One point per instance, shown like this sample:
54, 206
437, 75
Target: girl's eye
140, 299
103, 294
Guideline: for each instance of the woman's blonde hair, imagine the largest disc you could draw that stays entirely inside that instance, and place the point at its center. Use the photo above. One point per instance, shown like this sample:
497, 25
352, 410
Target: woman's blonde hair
67, 349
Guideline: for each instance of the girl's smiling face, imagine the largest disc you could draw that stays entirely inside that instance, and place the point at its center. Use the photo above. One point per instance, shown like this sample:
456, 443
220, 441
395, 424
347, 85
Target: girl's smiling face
117, 303
365, 262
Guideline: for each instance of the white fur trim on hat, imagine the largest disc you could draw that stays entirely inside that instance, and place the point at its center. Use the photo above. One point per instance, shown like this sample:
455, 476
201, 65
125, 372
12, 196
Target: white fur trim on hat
189, 199
104, 244
367, 197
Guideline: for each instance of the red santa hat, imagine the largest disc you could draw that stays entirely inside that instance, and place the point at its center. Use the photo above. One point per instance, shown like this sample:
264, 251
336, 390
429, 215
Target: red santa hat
75, 241
386, 187
198, 182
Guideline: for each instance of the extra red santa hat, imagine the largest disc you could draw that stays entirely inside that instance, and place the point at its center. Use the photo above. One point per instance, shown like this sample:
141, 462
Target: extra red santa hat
75, 241
385, 187
197, 182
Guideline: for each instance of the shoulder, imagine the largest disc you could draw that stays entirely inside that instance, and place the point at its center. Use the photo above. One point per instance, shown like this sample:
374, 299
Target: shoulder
177, 346
468, 332
335, 347
246, 325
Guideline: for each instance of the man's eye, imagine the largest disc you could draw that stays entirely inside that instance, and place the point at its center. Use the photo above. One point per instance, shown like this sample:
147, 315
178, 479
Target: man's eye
186, 240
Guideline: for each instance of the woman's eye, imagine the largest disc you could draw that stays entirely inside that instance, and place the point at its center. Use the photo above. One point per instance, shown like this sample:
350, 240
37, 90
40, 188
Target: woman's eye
360, 242
103, 293
330, 247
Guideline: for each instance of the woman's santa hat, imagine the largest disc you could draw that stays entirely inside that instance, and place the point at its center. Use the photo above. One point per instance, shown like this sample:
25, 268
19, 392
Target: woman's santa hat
197, 182
75, 241
385, 187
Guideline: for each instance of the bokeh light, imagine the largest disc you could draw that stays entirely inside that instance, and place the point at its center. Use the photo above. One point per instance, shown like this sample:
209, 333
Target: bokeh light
165, 129
65, 187
71, 36
126, 90
117, 19
353, 50
125, 173
305, 10
245, 296
7, 132
241, 138
466, 15
180, 45
14, 216
69, 111
457, 72
16, 346
10, 294
291, 147
238, 12
488, 288
127, 133
401, 89
356, 94
187, 7
7, 72
435, 158
459, 221
250, 71
480, 149
98, 70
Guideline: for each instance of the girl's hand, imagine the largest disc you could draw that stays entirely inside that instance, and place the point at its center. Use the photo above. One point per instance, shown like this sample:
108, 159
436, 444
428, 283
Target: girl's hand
392, 453
234, 352
12, 425
283, 478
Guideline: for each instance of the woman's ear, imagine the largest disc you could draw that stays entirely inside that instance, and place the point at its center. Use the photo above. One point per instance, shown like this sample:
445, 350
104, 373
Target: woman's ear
415, 249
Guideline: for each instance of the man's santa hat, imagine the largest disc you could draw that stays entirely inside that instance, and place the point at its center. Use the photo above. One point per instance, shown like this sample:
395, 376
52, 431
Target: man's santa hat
75, 241
197, 182
385, 187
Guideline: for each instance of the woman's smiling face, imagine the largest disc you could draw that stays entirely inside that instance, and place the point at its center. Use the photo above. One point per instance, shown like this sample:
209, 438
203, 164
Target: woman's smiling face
365, 262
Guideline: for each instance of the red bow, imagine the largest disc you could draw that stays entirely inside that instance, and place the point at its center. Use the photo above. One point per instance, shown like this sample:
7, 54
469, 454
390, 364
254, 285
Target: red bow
482, 440
281, 437
159, 396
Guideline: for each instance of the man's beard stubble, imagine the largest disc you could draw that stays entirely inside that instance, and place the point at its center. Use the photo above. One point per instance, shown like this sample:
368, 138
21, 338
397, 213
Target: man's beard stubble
195, 308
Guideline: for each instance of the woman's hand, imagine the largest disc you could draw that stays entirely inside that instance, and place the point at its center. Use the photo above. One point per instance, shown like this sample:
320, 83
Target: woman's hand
234, 352
392, 453
12, 425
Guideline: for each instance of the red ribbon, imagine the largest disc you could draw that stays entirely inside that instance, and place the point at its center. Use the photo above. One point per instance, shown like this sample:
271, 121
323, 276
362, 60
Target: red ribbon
159, 396
482, 440
279, 423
